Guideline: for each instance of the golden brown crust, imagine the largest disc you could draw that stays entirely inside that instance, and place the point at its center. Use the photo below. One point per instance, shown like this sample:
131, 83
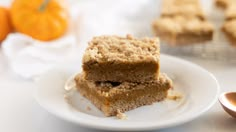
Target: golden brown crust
122, 49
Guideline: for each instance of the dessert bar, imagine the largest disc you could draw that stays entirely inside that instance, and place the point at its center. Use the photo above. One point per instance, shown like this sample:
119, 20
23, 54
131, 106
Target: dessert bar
182, 7
119, 59
179, 30
113, 97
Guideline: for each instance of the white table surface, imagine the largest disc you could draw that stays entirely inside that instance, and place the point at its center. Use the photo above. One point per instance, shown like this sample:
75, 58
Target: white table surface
19, 112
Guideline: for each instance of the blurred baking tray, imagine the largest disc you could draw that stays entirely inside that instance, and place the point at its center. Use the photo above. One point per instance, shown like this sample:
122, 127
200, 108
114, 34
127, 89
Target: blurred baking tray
218, 49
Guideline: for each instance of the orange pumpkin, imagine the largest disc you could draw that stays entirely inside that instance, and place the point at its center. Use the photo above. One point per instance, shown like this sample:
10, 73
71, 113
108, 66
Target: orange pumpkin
5, 24
41, 19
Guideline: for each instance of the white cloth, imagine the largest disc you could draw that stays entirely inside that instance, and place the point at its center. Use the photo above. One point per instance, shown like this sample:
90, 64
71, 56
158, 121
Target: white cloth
29, 57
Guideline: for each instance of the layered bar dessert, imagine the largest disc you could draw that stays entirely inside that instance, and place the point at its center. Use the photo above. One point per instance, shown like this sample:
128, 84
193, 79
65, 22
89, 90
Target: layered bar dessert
122, 73
120, 59
181, 30
114, 97
229, 28
187, 8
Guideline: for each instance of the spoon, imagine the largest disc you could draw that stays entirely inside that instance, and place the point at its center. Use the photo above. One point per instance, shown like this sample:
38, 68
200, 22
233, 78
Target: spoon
228, 102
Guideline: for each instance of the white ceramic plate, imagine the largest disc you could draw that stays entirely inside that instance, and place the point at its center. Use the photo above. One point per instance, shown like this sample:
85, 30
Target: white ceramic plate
198, 87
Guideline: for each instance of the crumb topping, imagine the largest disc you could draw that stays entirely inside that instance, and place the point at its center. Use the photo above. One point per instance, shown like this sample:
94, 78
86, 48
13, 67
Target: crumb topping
124, 49
181, 24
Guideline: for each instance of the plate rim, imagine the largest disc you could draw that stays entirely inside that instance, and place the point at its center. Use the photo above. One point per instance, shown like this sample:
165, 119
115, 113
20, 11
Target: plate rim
86, 123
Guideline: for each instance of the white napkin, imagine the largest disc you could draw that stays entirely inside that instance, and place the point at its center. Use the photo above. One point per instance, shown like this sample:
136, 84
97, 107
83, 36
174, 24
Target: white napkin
29, 57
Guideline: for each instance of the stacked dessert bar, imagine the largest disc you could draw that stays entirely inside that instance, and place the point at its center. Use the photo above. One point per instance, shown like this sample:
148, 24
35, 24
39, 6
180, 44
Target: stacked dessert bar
182, 22
229, 26
122, 73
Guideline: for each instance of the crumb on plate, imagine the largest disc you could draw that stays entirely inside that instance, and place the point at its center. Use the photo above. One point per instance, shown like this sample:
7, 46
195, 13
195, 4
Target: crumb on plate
121, 115
173, 95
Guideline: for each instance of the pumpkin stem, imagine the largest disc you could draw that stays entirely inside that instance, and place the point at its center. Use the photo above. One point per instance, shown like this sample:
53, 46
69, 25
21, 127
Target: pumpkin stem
44, 5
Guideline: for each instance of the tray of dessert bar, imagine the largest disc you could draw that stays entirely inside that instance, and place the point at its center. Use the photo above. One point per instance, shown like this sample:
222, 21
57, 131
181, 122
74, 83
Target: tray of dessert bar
202, 29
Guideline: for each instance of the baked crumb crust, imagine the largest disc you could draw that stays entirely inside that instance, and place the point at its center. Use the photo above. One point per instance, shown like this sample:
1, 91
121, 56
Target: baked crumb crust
122, 49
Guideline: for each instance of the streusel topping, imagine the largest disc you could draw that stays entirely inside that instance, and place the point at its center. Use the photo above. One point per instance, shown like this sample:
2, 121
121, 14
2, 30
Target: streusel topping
122, 49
